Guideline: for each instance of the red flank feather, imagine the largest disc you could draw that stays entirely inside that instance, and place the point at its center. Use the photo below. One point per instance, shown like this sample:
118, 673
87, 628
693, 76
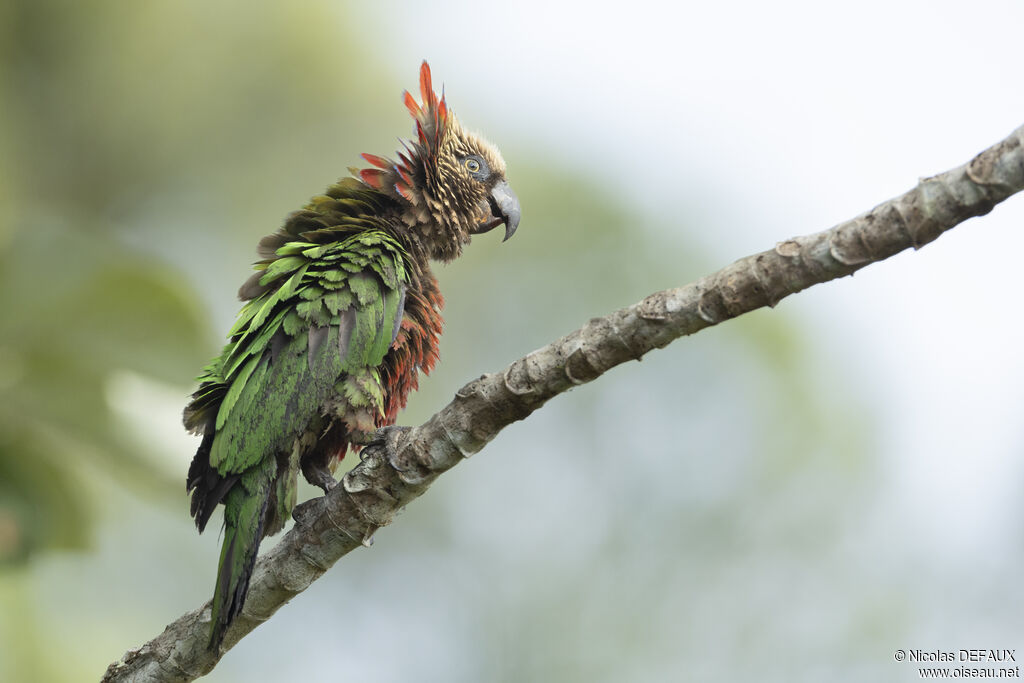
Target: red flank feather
415, 348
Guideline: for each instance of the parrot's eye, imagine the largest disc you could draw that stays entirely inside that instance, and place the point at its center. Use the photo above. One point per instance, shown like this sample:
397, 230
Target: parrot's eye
476, 166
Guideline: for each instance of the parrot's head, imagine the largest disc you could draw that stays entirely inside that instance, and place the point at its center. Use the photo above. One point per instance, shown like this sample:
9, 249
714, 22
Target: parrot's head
450, 182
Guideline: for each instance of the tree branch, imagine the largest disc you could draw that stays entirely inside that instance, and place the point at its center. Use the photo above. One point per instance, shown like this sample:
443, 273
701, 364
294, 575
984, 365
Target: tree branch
389, 478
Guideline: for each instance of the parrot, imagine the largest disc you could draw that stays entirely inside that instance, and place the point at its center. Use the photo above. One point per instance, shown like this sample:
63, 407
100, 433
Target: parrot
340, 316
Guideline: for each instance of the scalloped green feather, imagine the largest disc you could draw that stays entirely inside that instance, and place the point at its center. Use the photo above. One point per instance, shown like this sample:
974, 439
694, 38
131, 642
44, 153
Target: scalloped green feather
331, 276
365, 287
338, 300
292, 323
280, 266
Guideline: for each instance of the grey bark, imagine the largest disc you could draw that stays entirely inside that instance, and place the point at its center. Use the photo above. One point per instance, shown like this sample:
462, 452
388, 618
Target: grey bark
389, 477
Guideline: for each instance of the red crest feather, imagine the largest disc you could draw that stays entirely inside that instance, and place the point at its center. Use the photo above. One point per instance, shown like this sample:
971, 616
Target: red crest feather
379, 162
432, 120
373, 177
427, 93
410, 104
404, 190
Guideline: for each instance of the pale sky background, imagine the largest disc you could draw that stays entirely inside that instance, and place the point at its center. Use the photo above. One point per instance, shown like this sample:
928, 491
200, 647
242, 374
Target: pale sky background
787, 118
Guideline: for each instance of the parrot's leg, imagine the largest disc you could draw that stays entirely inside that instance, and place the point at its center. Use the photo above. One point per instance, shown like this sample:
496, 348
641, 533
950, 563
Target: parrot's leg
319, 475
319, 461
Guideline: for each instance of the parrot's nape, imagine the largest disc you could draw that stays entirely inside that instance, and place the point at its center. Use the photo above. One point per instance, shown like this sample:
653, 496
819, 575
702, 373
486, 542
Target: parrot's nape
341, 315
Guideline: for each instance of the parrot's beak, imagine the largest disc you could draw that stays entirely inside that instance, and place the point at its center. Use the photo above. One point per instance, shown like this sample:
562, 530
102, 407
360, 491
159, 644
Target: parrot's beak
504, 208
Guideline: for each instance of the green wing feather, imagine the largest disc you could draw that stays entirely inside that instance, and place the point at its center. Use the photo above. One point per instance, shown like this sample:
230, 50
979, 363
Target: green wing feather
264, 399
320, 328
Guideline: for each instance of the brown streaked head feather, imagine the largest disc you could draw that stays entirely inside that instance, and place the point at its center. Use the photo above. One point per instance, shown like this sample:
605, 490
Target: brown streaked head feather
446, 179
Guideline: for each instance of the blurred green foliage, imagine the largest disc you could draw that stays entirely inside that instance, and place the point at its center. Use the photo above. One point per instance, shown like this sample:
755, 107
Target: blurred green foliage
110, 111
77, 307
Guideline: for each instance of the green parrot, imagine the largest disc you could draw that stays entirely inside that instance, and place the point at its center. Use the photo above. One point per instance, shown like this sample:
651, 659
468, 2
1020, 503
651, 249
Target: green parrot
339, 318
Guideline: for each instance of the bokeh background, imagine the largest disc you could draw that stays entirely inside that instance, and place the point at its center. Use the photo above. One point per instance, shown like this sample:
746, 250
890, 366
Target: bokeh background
789, 497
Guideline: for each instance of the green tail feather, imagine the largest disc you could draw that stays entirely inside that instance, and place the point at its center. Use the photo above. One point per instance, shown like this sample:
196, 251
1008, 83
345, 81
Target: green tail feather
244, 516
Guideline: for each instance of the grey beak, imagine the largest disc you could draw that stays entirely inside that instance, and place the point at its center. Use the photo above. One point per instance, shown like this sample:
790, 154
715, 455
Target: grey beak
505, 207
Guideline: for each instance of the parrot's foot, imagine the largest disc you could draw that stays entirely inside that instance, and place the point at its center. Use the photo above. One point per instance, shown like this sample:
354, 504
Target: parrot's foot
384, 438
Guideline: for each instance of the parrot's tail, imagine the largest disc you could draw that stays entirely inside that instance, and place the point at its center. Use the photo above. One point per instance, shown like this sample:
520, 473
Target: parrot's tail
244, 517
